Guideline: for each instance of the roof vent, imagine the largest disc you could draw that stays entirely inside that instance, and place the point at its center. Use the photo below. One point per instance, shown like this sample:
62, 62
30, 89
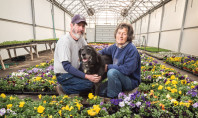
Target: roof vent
124, 12
90, 11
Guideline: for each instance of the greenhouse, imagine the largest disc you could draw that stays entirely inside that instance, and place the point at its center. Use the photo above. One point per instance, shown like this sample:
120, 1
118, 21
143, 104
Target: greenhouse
99, 58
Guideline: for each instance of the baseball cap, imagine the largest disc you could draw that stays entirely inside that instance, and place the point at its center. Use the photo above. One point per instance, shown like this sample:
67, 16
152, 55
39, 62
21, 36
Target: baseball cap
78, 18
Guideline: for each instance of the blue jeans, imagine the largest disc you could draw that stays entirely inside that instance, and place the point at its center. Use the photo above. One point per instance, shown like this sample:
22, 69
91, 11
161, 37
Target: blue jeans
74, 85
117, 82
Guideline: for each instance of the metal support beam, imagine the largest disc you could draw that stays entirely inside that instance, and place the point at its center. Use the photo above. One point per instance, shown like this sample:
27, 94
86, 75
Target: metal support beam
52, 13
33, 18
182, 27
161, 22
148, 29
153, 9
64, 23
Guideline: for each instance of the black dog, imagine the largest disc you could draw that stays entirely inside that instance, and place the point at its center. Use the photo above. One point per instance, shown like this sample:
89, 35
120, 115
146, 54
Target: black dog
94, 63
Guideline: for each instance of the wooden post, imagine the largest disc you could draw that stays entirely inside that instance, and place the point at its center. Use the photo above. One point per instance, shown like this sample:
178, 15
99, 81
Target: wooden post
31, 52
15, 52
2, 64
8, 50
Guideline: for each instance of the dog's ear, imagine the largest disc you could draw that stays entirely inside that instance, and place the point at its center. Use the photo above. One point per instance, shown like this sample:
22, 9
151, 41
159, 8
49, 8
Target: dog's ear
79, 55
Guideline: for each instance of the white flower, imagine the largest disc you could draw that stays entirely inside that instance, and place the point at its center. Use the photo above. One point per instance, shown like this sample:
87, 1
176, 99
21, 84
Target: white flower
195, 82
2, 111
138, 104
168, 96
122, 104
173, 100
127, 98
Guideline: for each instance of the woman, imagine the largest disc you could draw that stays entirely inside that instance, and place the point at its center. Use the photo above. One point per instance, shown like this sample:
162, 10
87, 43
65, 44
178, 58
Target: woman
124, 73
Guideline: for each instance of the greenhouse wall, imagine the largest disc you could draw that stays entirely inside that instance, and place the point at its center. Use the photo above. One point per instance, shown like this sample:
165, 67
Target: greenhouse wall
173, 26
17, 23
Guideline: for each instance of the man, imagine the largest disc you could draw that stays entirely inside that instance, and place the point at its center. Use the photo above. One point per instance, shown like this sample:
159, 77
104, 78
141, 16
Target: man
124, 73
66, 62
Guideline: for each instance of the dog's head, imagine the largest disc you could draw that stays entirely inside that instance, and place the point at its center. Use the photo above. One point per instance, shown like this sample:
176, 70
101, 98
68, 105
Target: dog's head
87, 54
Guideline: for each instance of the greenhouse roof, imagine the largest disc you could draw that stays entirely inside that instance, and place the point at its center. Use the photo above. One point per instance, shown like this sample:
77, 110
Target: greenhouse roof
109, 11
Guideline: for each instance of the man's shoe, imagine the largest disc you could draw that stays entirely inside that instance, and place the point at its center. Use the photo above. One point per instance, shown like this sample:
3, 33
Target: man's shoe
59, 90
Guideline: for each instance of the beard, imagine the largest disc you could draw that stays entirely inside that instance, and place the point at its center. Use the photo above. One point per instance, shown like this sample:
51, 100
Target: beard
78, 36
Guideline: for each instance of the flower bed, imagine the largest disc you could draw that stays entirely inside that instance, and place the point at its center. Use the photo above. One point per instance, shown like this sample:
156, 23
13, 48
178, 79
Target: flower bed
189, 64
34, 80
163, 92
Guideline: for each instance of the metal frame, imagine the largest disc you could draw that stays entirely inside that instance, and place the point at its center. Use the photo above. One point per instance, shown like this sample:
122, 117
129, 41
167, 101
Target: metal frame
110, 5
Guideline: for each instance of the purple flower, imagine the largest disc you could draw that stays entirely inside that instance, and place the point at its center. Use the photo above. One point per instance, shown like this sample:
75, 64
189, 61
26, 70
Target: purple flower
133, 96
195, 105
132, 105
148, 104
104, 108
150, 64
143, 98
115, 101
101, 103
29, 71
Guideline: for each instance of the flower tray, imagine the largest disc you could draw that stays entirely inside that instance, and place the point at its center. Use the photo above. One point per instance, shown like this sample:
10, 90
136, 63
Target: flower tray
28, 92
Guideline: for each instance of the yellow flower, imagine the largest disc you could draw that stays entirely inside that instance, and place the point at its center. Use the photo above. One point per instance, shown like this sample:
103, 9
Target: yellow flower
180, 92
167, 82
39, 96
65, 96
95, 97
187, 104
168, 88
38, 78
3, 95
40, 109
54, 96
175, 103
173, 90
174, 82
12, 98
37, 65
60, 112
91, 112
172, 77
50, 116
21, 104
78, 105
9, 106
192, 87
63, 108
54, 77
71, 108
67, 107
91, 96
160, 87
96, 108
181, 103
42, 64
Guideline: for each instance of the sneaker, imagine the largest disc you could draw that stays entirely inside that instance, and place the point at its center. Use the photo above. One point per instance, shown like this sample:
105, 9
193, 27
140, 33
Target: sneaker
59, 90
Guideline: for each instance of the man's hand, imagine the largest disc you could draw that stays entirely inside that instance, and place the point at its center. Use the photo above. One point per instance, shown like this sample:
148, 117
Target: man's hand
93, 78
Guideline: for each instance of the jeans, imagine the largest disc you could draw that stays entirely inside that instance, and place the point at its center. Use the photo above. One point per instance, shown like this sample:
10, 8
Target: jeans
117, 82
74, 85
